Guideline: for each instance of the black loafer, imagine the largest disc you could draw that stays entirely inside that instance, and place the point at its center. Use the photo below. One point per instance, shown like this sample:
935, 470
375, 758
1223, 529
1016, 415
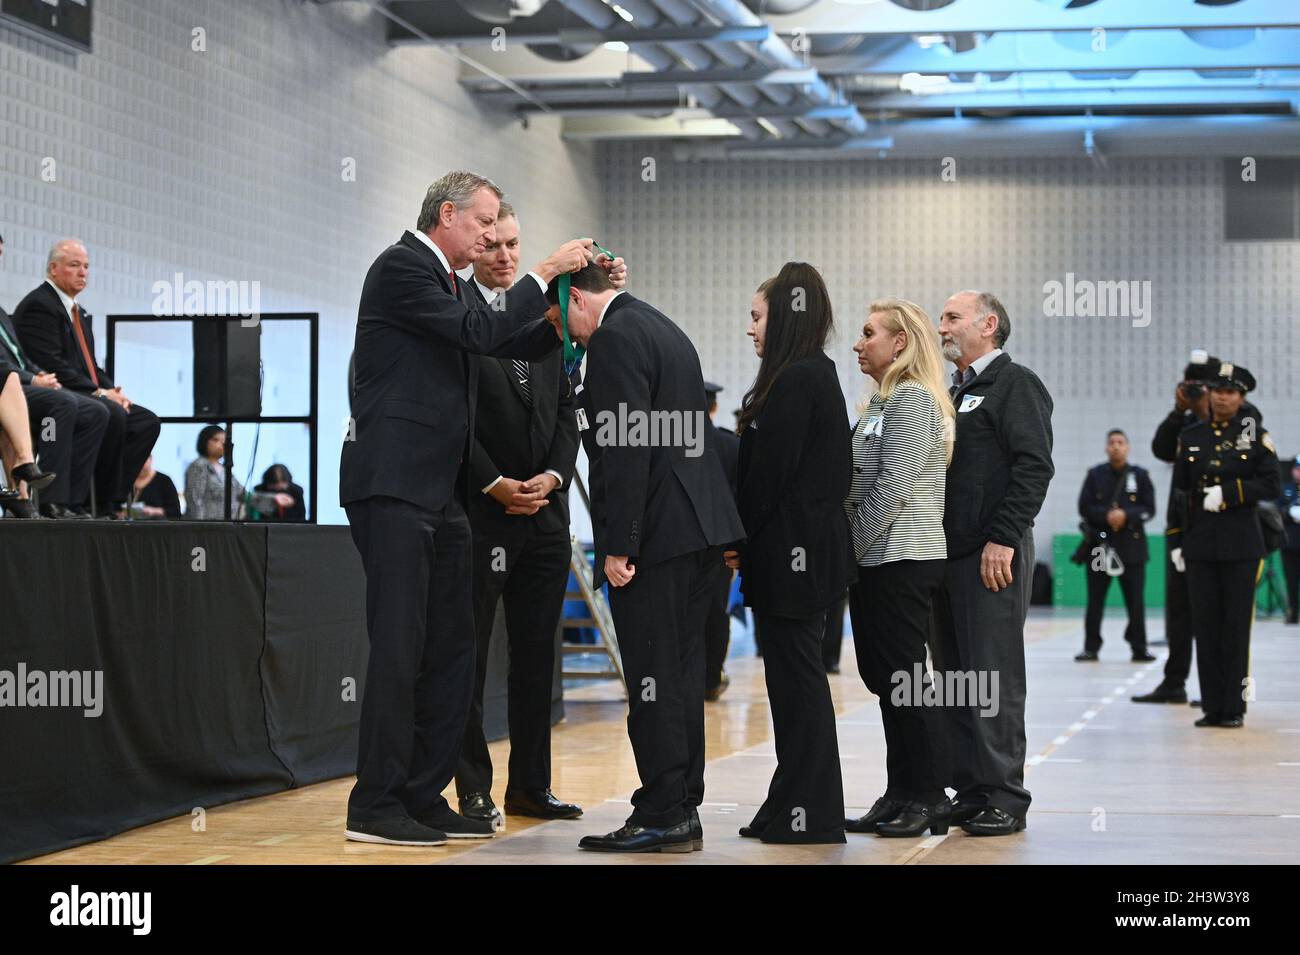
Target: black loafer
993, 822
1231, 722
1163, 694
540, 804
56, 512
394, 832
697, 831
642, 839
883, 810
457, 826
36, 478
1087, 656
1142, 657
915, 818
481, 807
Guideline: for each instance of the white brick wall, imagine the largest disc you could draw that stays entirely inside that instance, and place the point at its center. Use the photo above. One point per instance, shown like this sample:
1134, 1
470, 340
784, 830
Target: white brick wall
702, 237
226, 164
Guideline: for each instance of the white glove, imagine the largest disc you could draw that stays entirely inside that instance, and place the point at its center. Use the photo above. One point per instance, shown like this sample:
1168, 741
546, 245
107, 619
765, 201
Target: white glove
1295, 513
1176, 555
1214, 498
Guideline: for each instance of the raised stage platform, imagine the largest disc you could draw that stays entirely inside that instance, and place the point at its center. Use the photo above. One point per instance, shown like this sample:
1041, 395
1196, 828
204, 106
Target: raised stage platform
176, 666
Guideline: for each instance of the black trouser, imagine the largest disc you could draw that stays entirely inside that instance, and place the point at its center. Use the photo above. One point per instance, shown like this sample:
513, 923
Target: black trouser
805, 800
717, 635
1291, 569
128, 442
833, 634
68, 429
979, 632
1131, 583
1223, 602
420, 676
1178, 627
530, 573
891, 606
660, 617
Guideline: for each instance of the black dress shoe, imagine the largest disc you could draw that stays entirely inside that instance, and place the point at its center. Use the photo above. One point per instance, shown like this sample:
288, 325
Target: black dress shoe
540, 804
1193, 702
36, 478
394, 832
963, 811
56, 512
883, 810
993, 822
457, 826
80, 513
1143, 657
750, 832
481, 807
1087, 656
1222, 722
1163, 694
712, 693
832, 668
632, 838
915, 818
697, 831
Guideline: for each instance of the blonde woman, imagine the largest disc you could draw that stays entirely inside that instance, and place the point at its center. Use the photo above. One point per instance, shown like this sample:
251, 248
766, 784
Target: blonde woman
901, 448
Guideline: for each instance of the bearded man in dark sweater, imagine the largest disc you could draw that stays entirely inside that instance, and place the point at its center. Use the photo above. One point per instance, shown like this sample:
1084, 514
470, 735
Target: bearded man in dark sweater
1001, 466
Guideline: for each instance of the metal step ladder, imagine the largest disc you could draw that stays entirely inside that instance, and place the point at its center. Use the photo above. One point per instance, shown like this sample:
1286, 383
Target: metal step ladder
598, 616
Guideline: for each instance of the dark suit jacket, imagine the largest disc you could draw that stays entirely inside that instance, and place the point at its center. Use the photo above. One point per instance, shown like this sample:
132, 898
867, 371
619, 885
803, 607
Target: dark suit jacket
1133, 493
796, 466
649, 502
1001, 460
45, 332
516, 441
415, 384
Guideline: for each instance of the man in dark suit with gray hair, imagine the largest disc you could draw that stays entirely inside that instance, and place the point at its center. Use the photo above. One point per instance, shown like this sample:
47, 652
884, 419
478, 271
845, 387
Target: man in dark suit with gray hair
403, 482
1001, 466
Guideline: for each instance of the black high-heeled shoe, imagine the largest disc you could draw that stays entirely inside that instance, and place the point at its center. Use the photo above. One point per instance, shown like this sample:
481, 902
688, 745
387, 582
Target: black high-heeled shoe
915, 819
32, 474
19, 507
884, 810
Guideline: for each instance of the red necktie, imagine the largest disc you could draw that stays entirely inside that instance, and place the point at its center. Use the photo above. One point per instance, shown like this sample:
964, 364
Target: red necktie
85, 349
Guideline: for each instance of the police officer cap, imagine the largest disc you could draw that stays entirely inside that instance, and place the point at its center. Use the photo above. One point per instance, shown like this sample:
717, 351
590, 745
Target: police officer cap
711, 390
1233, 376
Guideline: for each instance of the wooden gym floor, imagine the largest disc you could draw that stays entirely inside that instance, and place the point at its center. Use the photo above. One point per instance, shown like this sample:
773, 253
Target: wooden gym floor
1113, 781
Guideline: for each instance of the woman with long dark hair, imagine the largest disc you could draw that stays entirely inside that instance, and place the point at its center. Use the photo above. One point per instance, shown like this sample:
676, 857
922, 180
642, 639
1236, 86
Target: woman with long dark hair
796, 560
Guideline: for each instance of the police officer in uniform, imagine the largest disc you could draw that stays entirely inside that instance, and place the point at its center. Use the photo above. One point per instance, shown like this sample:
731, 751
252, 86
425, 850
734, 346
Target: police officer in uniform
1116, 500
1224, 466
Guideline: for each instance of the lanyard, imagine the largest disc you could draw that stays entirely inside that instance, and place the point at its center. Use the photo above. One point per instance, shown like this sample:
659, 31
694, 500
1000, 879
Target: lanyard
573, 352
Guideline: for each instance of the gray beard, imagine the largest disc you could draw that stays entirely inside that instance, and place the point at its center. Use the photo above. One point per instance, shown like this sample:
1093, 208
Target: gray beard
951, 351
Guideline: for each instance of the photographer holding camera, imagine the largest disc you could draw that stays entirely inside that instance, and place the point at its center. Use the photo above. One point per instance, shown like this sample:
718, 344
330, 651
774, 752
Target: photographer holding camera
1191, 406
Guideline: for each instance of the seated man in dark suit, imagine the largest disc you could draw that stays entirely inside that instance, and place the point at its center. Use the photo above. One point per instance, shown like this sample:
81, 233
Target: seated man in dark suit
661, 512
58, 336
67, 428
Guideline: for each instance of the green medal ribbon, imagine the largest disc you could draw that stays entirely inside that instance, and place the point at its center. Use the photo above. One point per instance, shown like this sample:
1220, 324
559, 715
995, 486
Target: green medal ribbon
573, 352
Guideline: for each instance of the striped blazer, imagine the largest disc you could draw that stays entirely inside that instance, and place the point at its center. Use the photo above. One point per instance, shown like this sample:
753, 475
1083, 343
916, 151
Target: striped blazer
895, 502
